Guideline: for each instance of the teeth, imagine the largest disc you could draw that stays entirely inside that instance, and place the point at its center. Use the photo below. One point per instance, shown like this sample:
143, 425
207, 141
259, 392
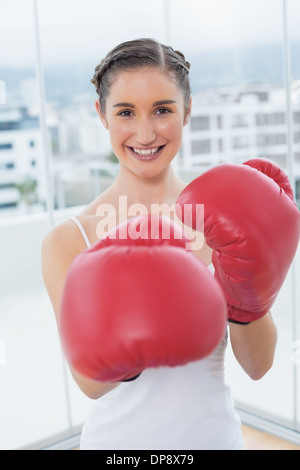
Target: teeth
146, 152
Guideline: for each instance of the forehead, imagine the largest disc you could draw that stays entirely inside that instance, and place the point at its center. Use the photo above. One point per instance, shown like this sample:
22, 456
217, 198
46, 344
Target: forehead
146, 83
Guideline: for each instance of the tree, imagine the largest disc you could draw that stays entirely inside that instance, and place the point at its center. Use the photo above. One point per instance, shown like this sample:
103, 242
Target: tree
27, 191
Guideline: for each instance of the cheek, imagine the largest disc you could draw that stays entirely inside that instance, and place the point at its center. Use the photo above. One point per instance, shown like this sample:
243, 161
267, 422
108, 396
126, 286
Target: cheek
119, 132
172, 131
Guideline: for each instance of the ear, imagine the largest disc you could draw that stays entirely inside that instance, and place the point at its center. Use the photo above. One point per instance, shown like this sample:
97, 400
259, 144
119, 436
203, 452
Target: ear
101, 116
188, 113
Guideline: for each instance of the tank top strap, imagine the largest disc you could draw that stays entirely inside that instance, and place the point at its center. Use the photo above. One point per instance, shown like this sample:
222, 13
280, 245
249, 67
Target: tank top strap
85, 237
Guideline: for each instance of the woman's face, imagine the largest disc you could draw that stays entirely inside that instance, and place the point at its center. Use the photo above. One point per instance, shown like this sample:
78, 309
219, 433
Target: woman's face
145, 115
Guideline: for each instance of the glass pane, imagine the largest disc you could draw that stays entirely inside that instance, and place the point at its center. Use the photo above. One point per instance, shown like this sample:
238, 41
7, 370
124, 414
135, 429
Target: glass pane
33, 400
22, 188
71, 47
239, 112
294, 34
32, 392
237, 79
273, 396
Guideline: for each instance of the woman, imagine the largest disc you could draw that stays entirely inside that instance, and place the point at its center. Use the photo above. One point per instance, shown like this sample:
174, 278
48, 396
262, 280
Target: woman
144, 103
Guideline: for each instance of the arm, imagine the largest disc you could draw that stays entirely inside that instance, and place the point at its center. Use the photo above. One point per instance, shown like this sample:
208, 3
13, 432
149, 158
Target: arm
57, 255
254, 345
252, 224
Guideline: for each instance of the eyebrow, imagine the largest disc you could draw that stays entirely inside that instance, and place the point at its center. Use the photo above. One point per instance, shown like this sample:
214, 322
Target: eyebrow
123, 105
156, 103
162, 102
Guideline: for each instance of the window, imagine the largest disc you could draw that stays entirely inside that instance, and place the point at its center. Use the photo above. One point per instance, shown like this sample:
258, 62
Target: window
50, 406
6, 185
240, 142
239, 120
271, 139
239, 73
270, 119
239, 103
7, 166
200, 146
8, 146
293, 12
199, 123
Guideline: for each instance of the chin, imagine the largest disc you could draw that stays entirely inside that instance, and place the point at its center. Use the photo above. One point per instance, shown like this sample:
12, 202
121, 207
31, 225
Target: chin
147, 174
151, 172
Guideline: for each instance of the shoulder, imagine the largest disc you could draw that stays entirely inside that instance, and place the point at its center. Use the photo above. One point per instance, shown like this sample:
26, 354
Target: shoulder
63, 240
60, 246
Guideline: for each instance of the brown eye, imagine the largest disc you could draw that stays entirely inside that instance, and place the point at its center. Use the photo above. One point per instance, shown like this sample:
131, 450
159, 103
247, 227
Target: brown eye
125, 113
162, 111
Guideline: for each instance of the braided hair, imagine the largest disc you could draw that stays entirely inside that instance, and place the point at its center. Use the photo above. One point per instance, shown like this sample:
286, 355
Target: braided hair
141, 53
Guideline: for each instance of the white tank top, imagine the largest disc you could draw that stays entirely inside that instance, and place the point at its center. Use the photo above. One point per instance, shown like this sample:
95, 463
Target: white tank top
187, 407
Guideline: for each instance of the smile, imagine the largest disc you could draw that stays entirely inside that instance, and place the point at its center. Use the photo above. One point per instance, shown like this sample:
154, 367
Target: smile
146, 154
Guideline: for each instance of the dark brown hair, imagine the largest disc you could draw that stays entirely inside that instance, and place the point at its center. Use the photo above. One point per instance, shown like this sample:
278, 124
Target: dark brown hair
141, 53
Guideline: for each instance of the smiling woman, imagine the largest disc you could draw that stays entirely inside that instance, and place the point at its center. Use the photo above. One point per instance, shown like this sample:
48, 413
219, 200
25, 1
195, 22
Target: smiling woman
144, 103
128, 310
74, 36
142, 126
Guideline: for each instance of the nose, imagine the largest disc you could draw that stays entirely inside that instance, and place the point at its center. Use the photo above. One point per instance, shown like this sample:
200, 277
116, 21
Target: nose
145, 132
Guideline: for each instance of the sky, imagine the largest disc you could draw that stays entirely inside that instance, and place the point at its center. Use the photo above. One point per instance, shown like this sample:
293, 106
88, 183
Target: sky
77, 30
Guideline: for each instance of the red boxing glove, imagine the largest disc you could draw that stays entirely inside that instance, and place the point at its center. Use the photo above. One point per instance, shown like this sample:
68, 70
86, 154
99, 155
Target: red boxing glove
253, 225
138, 299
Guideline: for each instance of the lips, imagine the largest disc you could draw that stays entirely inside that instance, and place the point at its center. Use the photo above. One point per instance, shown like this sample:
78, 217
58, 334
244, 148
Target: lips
146, 154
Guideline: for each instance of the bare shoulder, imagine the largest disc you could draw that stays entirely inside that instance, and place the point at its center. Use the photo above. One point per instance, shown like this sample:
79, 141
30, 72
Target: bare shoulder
60, 247
63, 241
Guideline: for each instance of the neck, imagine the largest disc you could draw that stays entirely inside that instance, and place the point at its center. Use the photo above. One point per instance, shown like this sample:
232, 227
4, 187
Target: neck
163, 188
